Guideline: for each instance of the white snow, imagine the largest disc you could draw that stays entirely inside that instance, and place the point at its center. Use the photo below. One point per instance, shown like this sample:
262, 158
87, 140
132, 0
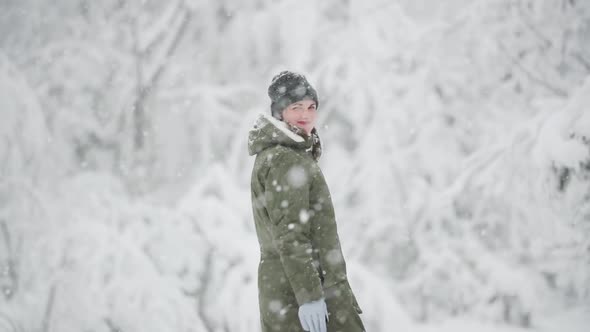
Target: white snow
296, 176
457, 160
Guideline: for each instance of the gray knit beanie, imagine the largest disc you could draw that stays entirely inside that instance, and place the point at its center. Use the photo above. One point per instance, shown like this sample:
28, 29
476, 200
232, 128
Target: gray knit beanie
286, 88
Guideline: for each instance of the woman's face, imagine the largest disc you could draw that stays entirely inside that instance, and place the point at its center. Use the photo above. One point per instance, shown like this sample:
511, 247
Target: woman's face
301, 114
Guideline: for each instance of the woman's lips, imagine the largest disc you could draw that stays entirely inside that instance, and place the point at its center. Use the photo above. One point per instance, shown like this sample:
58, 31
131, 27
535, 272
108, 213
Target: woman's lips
303, 123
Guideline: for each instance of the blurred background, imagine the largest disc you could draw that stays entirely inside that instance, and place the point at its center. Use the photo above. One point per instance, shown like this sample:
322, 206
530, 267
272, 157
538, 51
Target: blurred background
456, 141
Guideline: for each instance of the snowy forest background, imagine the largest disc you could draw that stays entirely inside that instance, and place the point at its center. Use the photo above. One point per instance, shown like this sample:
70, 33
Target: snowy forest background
456, 146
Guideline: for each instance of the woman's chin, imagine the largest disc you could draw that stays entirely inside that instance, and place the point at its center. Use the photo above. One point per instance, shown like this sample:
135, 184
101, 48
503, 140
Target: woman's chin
306, 129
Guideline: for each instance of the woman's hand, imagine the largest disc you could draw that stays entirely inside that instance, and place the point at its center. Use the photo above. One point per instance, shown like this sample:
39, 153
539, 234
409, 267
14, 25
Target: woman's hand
313, 315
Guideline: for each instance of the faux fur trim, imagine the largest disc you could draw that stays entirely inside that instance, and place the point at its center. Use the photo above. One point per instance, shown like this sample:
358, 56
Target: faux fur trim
282, 126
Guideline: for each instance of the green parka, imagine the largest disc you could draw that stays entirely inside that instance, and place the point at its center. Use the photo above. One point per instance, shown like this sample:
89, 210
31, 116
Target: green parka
301, 258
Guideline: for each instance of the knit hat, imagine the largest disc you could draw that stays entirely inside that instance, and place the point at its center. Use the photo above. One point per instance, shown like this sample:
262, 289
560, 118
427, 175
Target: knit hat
287, 88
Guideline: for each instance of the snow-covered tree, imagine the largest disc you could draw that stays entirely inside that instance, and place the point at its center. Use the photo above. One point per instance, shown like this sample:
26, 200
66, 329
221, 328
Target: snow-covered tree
456, 146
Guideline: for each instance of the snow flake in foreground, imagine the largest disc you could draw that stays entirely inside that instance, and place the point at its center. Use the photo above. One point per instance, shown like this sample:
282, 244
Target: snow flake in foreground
274, 305
300, 90
296, 176
285, 203
303, 216
334, 256
281, 89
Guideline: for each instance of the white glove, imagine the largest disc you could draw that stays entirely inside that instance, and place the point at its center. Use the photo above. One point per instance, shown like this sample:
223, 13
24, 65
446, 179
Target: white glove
313, 315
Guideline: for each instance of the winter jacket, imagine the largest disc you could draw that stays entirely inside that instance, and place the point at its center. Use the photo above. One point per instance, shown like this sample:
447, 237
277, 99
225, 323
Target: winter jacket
301, 258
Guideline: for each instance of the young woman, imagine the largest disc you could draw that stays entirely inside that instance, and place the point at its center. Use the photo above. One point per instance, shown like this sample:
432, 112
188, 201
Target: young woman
302, 281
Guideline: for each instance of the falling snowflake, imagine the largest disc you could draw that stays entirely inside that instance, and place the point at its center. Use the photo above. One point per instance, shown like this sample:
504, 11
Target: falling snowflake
296, 176
274, 305
334, 256
303, 216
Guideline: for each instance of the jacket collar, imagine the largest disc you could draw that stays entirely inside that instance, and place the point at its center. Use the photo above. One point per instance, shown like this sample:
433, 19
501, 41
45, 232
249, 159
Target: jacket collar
269, 131
282, 126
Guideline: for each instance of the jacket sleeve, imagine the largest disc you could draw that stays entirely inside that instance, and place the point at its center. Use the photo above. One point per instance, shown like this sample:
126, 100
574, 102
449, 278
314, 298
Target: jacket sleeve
287, 187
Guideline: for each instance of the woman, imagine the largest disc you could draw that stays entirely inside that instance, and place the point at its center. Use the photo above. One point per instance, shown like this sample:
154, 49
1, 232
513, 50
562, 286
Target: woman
302, 281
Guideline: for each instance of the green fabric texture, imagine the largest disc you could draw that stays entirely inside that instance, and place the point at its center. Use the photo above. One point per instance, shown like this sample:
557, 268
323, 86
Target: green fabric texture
301, 257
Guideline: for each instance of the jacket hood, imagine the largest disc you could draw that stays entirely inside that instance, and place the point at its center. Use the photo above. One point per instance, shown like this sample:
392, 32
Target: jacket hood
268, 132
